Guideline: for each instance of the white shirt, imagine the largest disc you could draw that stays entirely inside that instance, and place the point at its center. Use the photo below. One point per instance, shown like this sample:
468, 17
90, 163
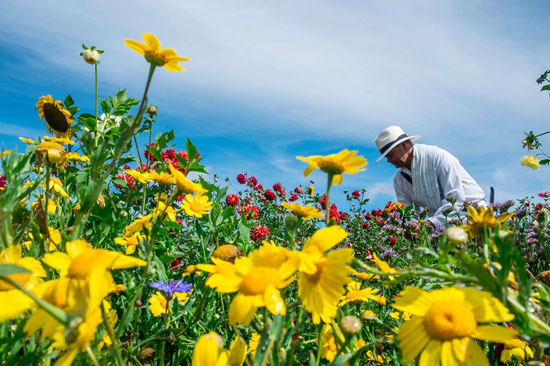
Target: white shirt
453, 180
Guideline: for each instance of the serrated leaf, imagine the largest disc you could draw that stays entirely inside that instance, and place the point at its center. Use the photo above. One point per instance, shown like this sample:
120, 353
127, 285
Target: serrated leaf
105, 106
7, 269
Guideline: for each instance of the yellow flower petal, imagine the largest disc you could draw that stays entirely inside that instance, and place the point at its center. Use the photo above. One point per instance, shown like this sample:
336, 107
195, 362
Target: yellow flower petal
412, 337
475, 355
413, 300
431, 354
447, 355
273, 301
242, 309
494, 333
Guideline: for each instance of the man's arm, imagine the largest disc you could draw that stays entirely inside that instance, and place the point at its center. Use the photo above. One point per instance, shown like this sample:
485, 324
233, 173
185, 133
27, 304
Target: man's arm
403, 190
448, 171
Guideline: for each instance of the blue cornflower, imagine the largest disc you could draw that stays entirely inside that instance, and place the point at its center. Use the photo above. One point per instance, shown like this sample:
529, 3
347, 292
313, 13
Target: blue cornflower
171, 287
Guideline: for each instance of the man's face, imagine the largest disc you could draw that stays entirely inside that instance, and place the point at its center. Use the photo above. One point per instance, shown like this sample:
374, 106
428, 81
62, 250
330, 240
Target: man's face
398, 156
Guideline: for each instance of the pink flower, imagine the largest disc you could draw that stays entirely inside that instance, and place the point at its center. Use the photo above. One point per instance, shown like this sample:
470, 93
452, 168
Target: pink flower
260, 232
232, 200
270, 195
241, 178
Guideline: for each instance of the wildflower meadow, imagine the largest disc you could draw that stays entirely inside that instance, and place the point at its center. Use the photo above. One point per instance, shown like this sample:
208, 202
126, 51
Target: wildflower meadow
116, 253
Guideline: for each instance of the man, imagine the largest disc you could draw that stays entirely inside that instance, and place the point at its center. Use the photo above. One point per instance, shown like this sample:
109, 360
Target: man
427, 175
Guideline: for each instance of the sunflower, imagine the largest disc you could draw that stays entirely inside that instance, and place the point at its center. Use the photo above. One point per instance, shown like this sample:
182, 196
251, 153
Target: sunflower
357, 295
445, 324
478, 222
155, 55
305, 212
344, 162
58, 119
322, 277
197, 205
257, 280
16, 302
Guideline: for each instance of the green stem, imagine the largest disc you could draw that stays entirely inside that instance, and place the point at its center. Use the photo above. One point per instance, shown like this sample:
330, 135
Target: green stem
95, 67
319, 345
92, 356
97, 185
163, 343
295, 334
112, 335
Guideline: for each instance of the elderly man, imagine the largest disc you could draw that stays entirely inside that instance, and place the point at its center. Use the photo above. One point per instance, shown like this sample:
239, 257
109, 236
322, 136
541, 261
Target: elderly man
427, 175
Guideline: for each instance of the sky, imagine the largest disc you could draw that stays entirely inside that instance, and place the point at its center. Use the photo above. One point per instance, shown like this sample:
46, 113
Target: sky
270, 80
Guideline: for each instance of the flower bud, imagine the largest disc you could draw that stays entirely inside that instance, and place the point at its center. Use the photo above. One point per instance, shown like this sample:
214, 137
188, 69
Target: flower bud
456, 235
152, 110
291, 222
350, 325
227, 252
101, 201
90, 56
146, 353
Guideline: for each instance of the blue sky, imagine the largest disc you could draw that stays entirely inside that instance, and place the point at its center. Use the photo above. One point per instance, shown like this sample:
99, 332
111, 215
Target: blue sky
271, 80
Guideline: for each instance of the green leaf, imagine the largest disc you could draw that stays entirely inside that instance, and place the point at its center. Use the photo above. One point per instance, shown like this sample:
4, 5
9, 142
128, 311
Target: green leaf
546, 87
192, 151
68, 101
545, 162
162, 140
105, 106
342, 359
8, 269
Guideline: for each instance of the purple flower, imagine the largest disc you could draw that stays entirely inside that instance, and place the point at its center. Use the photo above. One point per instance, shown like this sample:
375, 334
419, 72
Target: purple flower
3, 181
171, 287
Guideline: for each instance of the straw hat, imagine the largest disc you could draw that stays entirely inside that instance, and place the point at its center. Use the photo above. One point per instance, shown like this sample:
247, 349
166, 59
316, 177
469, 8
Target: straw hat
391, 137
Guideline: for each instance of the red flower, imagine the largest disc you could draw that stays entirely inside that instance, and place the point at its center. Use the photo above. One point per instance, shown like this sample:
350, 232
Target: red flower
260, 232
367, 216
128, 179
259, 188
343, 215
270, 195
241, 178
232, 200
298, 190
392, 241
277, 187
175, 263
323, 201
366, 225
245, 210
333, 213
148, 155
356, 194
252, 182
293, 198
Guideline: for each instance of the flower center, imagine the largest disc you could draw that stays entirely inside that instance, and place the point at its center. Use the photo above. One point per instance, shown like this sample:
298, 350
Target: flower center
196, 206
447, 320
331, 166
257, 280
55, 117
155, 58
82, 265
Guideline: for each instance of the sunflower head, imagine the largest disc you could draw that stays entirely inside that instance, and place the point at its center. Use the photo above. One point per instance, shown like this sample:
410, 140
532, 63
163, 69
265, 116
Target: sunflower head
58, 119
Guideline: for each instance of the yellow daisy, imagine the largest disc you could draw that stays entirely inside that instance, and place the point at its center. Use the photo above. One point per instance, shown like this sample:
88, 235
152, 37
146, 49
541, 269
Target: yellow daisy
257, 280
58, 119
197, 205
305, 212
14, 301
59, 140
38, 204
73, 156
138, 225
162, 178
139, 176
209, 351
329, 344
112, 319
445, 324
185, 185
478, 221
383, 266
158, 304
322, 277
26, 140
357, 295
253, 343
515, 348
131, 242
154, 54
344, 162
530, 161
50, 152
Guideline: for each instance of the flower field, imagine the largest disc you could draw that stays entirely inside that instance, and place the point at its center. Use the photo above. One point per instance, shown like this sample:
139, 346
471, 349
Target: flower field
113, 254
